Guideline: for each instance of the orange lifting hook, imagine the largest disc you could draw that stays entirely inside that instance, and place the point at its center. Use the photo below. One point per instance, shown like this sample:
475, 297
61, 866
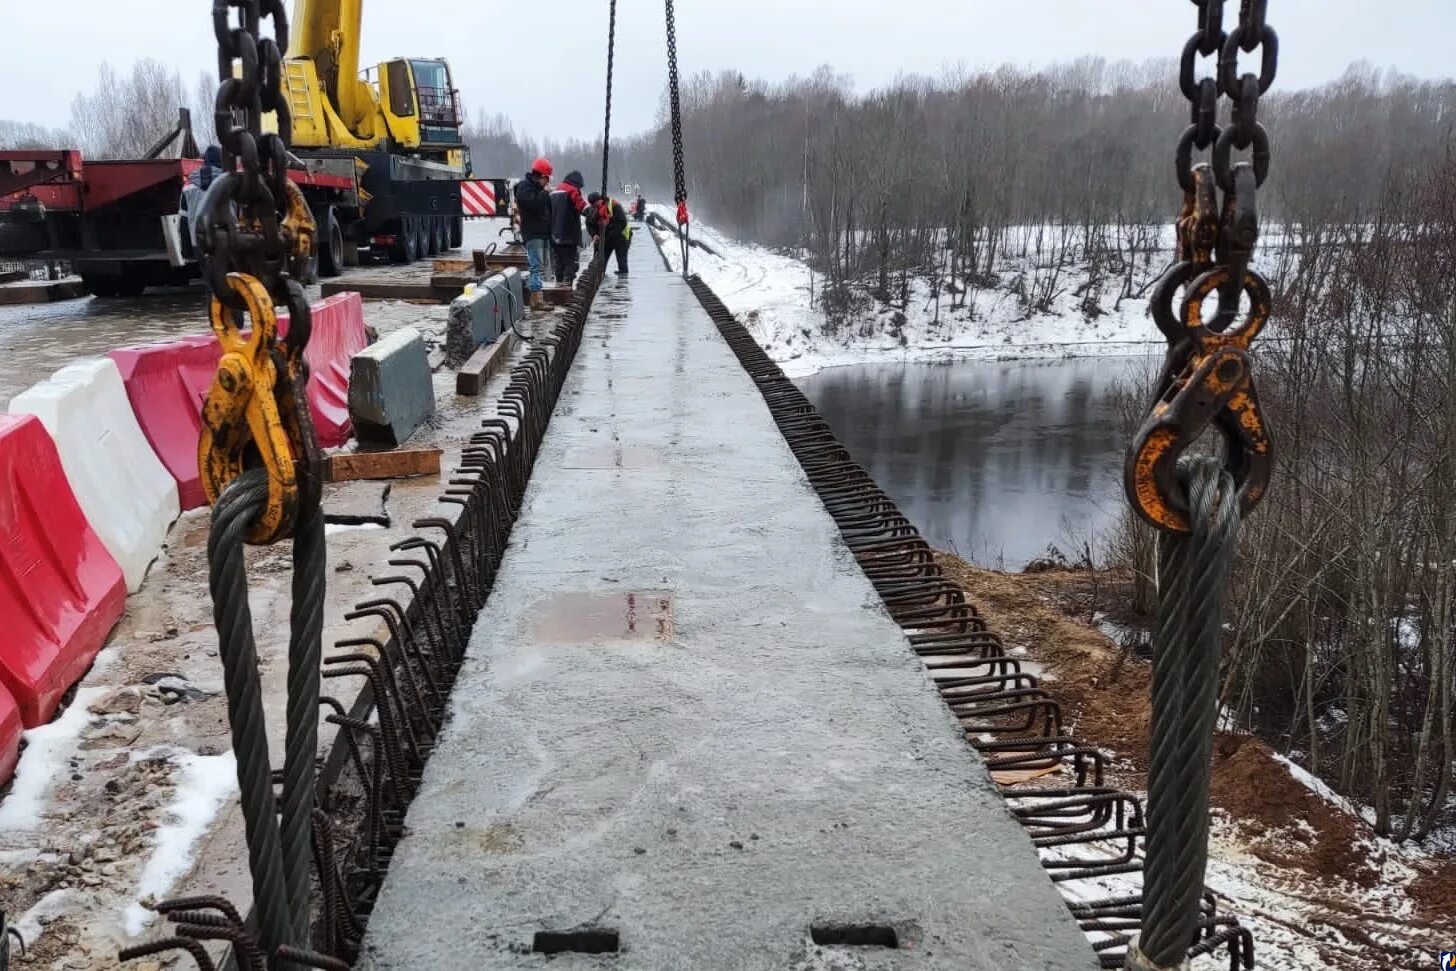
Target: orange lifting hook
252, 415
1213, 386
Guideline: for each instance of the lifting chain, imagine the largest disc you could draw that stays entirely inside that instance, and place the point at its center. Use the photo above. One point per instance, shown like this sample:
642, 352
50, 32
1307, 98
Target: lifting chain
259, 460
1206, 373
679, 181
607, 125
1197, 501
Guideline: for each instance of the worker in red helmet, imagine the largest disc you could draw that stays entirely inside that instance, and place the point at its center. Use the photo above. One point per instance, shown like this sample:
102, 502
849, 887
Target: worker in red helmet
533, 204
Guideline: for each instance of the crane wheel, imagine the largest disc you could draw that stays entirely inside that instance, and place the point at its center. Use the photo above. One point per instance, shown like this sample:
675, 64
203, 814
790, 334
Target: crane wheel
406, 243
457, 232
330, 243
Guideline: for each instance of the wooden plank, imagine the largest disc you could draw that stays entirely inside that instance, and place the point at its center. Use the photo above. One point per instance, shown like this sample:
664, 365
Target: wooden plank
454, 266
41, 292
400, 463
487, 360
558, 294
388, 290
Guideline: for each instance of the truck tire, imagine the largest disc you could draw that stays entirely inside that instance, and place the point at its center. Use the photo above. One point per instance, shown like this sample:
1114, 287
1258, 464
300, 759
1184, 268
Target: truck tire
404, 249
330, 244
457, 231
422, 237
437, 231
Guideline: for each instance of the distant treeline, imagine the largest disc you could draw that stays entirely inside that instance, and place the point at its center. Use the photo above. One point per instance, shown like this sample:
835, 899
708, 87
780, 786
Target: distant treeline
807, 161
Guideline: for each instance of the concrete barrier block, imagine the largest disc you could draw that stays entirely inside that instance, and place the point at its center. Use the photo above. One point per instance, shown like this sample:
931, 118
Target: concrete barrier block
124, 490
391, 392
511, 309
517, 285
474, 319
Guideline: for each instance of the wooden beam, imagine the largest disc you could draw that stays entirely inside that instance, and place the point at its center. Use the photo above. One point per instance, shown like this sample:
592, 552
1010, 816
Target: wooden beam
487, 360
396, 464
389, 290
558, 294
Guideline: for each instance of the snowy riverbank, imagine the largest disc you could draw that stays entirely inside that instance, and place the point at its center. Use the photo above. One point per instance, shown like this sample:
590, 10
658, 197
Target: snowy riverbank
771, 294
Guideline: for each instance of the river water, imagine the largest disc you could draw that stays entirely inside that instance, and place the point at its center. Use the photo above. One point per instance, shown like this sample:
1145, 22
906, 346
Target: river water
995, 460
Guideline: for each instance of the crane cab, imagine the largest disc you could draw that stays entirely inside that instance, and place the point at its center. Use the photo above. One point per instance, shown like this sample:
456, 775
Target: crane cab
420, 104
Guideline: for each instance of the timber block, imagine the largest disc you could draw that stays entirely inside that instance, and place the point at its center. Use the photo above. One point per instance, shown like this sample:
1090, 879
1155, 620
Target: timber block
558, 294
404, 463
391, 392
483, 364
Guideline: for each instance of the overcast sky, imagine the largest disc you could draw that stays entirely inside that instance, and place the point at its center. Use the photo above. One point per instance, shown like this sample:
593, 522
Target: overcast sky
542, 63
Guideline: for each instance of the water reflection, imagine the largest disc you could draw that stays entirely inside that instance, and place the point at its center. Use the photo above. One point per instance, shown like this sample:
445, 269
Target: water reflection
995, 460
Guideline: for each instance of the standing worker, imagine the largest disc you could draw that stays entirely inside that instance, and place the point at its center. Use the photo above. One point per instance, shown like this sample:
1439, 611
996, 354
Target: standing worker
613, 232
567, 208
640, 210
533, 202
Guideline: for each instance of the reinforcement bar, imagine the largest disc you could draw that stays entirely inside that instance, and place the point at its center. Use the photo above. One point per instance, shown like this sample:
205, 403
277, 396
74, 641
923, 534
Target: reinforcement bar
1086, 831
386, 734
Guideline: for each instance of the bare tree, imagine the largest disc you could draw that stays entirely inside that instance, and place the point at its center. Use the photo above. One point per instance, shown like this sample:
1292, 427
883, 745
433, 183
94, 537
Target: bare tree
125, 116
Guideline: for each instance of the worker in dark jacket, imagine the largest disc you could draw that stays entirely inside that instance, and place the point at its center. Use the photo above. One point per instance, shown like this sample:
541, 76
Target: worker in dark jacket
533, 203
612, 231
567, 207
639, 211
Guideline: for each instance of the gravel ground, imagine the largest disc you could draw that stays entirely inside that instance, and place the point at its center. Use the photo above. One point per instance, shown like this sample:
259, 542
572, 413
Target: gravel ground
134, 783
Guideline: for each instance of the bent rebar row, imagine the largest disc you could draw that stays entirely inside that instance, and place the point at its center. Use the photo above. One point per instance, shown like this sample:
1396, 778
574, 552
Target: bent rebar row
1085, 831
388, 732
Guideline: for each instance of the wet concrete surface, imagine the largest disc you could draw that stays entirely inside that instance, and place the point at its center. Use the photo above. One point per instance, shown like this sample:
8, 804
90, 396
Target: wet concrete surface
38, 339
686, 734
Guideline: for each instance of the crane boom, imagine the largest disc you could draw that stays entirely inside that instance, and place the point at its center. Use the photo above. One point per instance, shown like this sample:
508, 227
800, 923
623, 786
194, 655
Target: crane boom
326, 34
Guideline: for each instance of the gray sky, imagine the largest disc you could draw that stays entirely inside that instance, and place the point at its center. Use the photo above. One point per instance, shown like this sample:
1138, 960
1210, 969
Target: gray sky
542, 63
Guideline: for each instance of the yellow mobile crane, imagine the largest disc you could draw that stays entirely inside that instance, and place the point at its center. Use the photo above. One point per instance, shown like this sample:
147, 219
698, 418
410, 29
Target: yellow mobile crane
395, 129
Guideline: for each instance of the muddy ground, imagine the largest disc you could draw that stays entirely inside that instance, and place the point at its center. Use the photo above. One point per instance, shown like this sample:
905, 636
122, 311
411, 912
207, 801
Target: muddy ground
1318, 887
134, 782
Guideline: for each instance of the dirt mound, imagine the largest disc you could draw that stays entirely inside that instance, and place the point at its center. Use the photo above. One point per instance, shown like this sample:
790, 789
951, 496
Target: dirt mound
1291, 825
1105, 695
1103, 689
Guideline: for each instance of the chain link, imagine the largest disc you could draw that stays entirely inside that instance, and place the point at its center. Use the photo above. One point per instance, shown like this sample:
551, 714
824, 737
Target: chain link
254, 220
607, 125
679, 179
1216, 243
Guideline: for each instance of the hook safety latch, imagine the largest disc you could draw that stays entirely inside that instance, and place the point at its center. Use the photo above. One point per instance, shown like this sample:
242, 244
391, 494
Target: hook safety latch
244, 415
1208, 384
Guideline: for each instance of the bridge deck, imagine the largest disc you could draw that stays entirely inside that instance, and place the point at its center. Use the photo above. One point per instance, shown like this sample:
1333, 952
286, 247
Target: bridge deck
684, 716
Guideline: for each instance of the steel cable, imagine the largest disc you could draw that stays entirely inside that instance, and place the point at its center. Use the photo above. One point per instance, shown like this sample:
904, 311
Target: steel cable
679, 178
238, 505
305, 650
600, 256
607, 124
1193, 573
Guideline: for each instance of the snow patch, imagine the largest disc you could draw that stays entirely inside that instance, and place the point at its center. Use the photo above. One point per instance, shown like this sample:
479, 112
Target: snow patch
773, 296
1305, 778
31, 925
204, 783
331, 529
47, 749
